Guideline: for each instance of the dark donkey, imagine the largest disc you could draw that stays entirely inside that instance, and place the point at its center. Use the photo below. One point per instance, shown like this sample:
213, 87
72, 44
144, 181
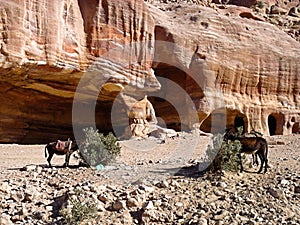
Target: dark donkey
251, 145
60, 148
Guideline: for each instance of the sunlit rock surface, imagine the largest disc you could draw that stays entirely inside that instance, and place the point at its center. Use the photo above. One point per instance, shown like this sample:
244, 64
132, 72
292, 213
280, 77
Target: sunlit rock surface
215, 66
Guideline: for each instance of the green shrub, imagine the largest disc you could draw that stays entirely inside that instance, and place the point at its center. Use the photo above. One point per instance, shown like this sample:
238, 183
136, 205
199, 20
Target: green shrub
97, 148
222, 155
81, 209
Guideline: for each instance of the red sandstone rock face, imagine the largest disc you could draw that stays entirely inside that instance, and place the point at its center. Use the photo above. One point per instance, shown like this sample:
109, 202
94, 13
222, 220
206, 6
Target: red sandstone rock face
255, 70
46, 47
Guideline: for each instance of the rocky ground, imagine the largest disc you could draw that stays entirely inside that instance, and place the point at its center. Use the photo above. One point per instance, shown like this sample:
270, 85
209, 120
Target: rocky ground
283, 14
156, 185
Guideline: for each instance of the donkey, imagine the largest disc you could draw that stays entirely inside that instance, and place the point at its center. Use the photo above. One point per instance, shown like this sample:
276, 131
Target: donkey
251, 145
60, 148
254, 155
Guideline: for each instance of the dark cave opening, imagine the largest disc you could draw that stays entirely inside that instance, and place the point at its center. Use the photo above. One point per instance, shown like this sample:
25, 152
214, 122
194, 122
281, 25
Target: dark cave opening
275, 123
272, 125
166, 113
239, 122
178, 92
223, 118
295, 128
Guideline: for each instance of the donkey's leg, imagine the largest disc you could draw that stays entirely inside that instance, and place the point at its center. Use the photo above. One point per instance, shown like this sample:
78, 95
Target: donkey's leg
51, 153
254, 159
241, 161
67, 159
266, 165
266, 157
262, 160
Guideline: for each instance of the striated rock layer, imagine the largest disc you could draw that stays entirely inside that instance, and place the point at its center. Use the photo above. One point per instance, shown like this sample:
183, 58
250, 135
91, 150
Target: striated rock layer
254, 63
213, 67
46, 46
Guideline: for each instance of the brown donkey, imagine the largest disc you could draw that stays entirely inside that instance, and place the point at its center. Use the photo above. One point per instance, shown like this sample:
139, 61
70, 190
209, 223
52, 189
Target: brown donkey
251, 145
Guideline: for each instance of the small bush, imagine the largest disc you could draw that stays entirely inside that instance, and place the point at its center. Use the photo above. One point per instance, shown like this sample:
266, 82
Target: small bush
99, 149
222, 155
79, 209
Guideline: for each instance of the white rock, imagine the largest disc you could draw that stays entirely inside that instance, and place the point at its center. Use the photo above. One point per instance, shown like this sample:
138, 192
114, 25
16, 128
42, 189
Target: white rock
148, 205
99, 188
164, 184
39, 169
179, 204
175, 183
5, 220
100, 206
29, 167
5, 187
147, 188
222, 184
49, 208
284, 182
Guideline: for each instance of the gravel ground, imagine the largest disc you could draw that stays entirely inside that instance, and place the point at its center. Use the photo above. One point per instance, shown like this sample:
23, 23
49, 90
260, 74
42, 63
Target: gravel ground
151, 183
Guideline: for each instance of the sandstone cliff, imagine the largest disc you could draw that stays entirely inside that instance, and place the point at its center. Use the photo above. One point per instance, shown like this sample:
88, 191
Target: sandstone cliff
255, 70
46, 46
235, 67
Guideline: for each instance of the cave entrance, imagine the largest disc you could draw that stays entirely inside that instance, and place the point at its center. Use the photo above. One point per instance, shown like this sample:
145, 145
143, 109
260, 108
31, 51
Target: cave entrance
104, 114
295, 128
272, 125
239, 123
172, 101
275, 124
223, 118
166, 113
237, 120
214, 123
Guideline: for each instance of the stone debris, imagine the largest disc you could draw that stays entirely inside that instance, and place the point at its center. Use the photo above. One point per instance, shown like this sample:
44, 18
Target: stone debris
229, 199
297, 190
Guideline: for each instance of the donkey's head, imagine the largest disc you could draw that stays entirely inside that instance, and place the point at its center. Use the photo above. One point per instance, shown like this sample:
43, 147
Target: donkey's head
229, 135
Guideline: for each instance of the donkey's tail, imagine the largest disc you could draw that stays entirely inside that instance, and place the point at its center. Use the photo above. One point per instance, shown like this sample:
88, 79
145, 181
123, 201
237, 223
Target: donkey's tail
46, 151
267, 150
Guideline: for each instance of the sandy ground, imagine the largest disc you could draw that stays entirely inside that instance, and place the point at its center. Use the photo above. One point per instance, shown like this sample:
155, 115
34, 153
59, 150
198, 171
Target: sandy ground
146, 158
133, 152
139, 159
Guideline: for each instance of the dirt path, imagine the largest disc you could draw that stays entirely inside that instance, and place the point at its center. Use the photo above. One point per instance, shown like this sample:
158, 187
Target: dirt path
142, 159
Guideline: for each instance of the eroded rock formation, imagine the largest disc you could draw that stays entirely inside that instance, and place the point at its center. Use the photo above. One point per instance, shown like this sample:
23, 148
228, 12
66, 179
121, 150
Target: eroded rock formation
255, 71
142, 119
45, 49
215, 66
